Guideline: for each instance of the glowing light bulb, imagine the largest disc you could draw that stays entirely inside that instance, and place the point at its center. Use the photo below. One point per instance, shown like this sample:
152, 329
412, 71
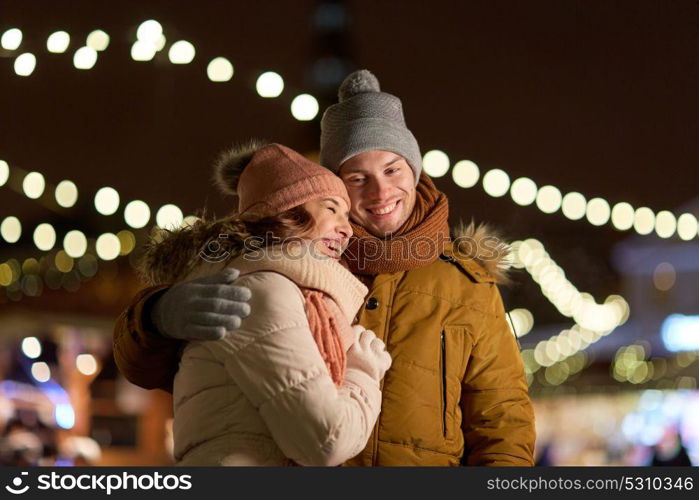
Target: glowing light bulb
25, 64
58, 42
435, 163
75, 244
108, 246
181, 52
11, 39
549, 199
465, 174
598, 211
523, 191
149, 31
44, 237
33, 185
98, 40
269, 84
220, 69
304, 107
85, 58
107, 200
496, 182
137, 214
11, 229
169, 217
66, 194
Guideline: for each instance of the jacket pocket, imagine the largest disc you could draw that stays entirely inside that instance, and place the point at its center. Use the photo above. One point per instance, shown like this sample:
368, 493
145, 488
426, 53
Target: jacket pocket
455, 350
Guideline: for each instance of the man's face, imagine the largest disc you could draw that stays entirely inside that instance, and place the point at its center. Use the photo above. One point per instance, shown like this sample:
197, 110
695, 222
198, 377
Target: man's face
381, 186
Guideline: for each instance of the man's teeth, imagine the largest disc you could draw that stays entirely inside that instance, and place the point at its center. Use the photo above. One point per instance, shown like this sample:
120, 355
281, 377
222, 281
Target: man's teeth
383, 211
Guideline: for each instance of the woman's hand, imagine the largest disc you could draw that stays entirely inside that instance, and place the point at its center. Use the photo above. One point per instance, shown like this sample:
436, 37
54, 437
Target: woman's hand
368, 354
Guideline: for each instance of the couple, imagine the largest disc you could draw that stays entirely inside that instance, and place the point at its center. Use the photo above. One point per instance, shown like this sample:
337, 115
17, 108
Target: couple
287, 364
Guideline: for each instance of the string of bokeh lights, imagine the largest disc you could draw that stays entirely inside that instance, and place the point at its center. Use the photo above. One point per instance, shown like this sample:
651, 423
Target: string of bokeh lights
496, 183
77, 259
150, 40
549, 199
136, 214
562, 356
573, 205
108, 246
592, 321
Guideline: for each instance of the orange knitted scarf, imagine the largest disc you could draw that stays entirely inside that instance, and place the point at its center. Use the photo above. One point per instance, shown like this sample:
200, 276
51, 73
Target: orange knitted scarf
418, 242
326, 333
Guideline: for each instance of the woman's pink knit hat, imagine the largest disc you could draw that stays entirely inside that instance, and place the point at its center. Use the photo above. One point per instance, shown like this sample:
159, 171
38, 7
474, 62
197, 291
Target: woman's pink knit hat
270, 179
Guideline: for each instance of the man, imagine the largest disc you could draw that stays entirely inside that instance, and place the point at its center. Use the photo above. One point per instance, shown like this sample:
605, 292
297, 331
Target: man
456, 392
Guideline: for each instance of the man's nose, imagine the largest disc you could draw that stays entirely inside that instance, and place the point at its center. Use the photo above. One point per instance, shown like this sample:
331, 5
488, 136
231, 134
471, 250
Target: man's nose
379, 189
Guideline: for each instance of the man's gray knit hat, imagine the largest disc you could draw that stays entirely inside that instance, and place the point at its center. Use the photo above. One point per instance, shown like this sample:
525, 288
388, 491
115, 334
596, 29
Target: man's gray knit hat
365, 119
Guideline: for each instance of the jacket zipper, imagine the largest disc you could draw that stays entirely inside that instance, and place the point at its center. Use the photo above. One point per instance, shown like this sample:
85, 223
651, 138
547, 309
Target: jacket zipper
384, 337
444, 385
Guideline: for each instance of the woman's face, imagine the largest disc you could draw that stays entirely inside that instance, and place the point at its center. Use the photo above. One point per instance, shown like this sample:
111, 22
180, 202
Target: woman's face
331, 230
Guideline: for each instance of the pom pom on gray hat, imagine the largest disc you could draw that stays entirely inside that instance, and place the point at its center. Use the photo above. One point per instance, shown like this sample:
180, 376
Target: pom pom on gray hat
359, 82
365, 119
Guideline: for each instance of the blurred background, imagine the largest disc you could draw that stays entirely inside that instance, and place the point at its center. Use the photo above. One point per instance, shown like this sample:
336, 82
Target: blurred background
570, 126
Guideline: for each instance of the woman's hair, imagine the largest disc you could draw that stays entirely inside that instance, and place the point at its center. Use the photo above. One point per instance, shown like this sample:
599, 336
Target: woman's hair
292, 223
251, 234
171, 254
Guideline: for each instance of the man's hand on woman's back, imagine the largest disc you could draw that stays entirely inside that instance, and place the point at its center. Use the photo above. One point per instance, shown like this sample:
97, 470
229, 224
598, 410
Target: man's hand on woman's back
203, 308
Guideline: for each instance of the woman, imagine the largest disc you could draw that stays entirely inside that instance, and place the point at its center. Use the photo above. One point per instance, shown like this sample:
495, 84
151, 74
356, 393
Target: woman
295, 383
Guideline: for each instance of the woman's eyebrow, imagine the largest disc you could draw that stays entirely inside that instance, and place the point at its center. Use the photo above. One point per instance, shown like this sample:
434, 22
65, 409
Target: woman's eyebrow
337, 204
397, 158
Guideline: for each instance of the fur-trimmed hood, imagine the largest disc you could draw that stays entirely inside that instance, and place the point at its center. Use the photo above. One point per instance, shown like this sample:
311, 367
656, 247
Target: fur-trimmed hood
170, 255
485, 246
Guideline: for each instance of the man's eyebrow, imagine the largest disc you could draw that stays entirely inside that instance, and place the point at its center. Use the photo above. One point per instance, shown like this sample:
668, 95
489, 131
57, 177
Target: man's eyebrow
355, 170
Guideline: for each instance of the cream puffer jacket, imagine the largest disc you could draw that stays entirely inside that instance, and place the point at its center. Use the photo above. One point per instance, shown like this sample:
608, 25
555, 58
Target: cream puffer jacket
263, 395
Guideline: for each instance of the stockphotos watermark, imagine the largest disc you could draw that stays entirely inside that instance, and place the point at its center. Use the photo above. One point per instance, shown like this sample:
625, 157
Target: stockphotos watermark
419, 249
107, 483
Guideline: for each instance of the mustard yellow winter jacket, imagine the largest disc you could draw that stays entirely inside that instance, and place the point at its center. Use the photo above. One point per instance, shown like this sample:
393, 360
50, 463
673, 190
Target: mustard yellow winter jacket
456, 392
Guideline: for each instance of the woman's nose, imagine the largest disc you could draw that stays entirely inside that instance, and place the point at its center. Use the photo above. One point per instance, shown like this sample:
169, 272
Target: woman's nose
345, 229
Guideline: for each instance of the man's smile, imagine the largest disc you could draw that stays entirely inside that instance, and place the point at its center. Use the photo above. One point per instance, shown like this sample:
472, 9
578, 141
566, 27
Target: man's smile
383, 211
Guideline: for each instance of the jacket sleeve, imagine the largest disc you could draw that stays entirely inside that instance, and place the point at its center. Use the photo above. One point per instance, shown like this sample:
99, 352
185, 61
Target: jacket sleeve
143, 356
498, 418
276, 363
